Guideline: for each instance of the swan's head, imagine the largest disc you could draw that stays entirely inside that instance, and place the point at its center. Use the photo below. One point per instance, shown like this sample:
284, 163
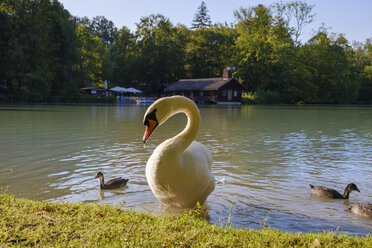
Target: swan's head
157, 114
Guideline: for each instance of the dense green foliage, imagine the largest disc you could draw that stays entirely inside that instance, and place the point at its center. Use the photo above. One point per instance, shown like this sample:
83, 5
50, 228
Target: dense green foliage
47, 54
26, 223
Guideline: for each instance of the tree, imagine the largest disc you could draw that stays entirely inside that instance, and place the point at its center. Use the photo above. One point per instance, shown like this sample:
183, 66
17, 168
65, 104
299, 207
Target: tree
157, 53
46, 53
300, 11
41, 43
201, 18
181, 37
330, 75
209, 51
65, 41
363, 61
262, 49
368, 54
92, 54
5, 30
104, 29
122, 58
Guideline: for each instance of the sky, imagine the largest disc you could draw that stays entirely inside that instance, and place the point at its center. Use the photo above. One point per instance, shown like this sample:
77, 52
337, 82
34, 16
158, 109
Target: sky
353, 18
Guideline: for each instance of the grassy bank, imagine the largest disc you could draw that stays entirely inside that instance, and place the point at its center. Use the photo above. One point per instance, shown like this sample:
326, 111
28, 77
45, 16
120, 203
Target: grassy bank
41, 224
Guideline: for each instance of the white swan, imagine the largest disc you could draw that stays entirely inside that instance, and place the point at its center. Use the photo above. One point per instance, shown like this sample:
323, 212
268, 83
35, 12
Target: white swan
179, 170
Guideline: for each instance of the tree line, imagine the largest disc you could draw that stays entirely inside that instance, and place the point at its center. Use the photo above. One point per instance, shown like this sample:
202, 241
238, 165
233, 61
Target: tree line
46, 54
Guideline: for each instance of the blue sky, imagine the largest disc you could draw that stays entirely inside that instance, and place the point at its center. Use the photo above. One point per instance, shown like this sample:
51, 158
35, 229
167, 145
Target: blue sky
351, 18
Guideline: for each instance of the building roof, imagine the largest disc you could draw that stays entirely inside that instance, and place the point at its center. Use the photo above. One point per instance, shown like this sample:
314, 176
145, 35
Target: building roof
199, 84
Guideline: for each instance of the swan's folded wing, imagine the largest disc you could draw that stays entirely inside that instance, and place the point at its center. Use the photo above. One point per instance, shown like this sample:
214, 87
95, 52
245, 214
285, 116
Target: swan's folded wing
202, 151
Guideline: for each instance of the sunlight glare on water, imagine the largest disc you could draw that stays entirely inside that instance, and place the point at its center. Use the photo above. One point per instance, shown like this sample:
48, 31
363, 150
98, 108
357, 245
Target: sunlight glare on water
267, 156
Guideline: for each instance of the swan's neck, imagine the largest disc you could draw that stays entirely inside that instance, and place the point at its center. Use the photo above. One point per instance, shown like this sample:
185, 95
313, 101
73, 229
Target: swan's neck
187, 136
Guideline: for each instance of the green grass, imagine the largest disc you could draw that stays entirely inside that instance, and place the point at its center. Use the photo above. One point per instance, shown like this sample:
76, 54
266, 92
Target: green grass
27, 223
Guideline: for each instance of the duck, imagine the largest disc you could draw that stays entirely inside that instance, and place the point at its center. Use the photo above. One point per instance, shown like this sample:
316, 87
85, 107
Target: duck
325, 192
178, 171
111, 184
361, 209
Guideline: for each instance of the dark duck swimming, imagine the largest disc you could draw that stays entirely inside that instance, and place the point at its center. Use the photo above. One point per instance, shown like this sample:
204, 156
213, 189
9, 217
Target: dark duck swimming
111, 184
325, 192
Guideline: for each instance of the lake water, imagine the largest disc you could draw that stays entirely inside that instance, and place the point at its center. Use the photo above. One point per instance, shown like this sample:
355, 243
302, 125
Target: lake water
268, 156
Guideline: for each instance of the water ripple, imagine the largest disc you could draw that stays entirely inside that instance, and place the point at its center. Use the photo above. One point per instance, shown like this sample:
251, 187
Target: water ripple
268, 156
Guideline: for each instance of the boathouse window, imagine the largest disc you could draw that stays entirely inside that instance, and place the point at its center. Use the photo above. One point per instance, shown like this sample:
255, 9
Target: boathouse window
201, 93
224, 93
235, 93
191, 93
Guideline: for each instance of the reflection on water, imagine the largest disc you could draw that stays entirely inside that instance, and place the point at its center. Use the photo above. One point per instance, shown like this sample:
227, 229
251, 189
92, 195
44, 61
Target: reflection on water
268, 156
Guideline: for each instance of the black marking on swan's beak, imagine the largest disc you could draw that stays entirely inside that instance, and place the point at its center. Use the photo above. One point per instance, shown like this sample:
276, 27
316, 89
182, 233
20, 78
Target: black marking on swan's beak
151, 123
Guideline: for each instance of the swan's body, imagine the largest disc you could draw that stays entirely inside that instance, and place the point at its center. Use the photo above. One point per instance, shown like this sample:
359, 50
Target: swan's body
325, 192
111, 184
179, 170
362, 209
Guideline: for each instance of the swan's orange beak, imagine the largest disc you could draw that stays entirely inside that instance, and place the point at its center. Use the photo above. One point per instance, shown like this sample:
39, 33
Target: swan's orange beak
149, 129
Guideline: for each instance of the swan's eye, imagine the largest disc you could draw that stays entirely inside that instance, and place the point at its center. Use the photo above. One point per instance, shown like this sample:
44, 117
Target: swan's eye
150, 116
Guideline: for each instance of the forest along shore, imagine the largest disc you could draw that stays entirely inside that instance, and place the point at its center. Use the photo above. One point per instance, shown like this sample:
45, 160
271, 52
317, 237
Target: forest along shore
49, 55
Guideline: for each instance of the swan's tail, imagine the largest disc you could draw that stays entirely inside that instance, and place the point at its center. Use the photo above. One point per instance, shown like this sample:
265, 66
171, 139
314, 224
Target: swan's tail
220, 181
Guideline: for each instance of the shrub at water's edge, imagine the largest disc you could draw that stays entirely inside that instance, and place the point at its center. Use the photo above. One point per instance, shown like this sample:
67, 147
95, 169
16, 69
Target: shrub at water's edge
43, 224
262, 97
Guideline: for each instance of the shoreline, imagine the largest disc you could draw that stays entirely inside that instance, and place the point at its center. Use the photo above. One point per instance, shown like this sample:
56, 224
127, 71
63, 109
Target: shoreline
45, 224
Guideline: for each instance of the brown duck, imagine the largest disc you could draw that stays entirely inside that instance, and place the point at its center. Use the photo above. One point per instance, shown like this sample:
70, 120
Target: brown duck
325, 192
111, 184
362, 209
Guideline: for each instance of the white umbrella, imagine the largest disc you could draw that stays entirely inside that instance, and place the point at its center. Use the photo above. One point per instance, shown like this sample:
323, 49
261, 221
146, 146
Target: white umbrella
133, 90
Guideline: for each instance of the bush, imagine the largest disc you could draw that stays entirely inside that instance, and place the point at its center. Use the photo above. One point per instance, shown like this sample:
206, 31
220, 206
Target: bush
248, 98
262, 97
